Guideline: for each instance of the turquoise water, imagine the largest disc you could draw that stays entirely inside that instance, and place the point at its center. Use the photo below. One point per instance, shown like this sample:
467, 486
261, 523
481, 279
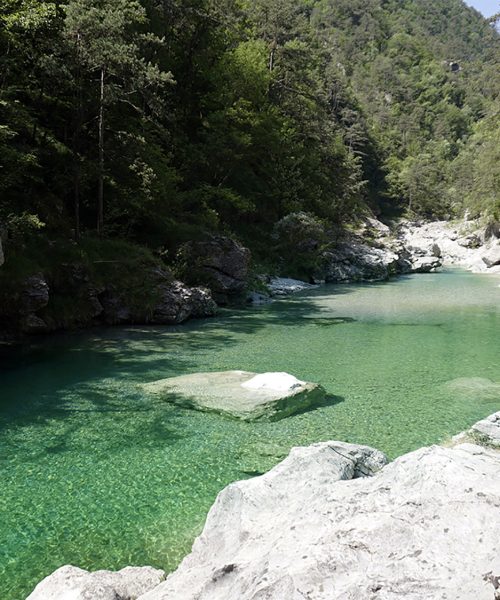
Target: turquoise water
96, 474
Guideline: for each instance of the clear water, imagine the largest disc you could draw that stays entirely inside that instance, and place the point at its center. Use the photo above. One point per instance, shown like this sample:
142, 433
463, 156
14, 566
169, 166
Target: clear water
95, 474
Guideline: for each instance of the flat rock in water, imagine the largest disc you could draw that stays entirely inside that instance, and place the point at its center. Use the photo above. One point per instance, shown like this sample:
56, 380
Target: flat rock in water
240, 394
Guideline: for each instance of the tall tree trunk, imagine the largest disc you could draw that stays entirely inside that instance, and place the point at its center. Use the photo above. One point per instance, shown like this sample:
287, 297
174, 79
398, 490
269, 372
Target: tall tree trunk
76, 141
100, 191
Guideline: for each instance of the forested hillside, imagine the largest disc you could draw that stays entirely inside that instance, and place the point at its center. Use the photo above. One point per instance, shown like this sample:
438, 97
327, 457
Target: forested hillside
160, 121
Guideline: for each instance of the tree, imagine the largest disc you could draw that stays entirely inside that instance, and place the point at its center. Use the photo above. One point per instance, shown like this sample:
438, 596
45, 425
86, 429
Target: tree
108, 42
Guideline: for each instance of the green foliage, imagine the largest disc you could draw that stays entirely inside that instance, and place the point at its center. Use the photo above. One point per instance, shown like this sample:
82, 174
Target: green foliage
230, 115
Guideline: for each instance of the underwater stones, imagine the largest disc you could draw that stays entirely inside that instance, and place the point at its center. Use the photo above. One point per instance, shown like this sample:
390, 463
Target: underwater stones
72, 583
239, 394
424, 526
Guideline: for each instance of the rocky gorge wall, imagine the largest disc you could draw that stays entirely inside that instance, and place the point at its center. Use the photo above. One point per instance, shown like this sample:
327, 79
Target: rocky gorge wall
218, 271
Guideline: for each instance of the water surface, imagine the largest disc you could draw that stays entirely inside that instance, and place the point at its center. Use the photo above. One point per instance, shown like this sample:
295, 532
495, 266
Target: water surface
96, 474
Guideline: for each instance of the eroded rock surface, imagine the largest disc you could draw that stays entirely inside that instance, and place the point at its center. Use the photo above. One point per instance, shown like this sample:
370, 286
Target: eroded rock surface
72, 583
355, 260
220, 263
423, 527
239, 394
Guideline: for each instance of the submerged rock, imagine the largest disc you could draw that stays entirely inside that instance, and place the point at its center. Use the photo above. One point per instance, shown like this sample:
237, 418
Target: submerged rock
423, 527
72, 583
239, 394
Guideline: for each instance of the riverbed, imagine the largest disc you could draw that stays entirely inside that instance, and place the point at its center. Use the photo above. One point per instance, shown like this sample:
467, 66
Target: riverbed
97, 474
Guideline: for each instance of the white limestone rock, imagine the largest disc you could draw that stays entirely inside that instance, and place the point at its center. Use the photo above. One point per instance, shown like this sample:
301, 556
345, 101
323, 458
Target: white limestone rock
424, 527
239, 394
492, 257
72, 583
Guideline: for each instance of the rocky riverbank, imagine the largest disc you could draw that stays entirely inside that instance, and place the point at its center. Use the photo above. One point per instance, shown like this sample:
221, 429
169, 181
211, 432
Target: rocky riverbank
218, 271
334, 520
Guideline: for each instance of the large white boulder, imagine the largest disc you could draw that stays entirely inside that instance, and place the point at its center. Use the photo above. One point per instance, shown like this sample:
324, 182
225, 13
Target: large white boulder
425, 527
239, 394
72, 583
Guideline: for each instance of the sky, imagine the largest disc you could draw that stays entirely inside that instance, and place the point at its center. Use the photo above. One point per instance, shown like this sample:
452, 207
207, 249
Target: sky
487, 7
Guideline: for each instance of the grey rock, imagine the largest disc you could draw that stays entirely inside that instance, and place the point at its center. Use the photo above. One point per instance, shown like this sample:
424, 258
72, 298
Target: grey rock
176, 303
171, 301
488, 430
239, 394
258, 298
470, 241
72, 583
492, 257
221, 264
32, 324
354, 260
425, 264
284, 286
423, 527
34, 294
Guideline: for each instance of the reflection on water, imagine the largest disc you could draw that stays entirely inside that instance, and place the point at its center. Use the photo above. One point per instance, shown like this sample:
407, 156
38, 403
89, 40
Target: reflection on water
96, 474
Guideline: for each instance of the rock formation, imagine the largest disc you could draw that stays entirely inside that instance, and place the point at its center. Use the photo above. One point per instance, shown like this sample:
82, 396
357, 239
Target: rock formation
423, 527
222, 264
239, 394
333, 520
72, 583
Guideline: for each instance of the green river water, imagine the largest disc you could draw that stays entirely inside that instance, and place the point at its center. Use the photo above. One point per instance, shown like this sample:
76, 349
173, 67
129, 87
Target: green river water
96, 474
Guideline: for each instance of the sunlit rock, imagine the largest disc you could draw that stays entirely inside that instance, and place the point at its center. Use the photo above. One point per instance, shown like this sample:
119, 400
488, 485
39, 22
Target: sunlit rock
72, 583
240, 394
423, 527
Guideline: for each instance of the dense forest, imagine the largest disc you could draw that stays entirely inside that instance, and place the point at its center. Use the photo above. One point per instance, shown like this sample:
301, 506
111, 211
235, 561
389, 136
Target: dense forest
161, 121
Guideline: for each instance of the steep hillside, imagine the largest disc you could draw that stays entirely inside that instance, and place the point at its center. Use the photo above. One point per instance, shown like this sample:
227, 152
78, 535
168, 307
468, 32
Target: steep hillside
157, 122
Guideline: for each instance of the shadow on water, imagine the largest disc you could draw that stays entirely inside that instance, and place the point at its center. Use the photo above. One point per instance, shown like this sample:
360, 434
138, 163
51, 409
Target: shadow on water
94, 372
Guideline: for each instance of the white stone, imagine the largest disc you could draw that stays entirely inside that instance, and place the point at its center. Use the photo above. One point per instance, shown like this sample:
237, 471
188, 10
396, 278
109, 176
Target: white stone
72, 583
492, 257
425, 527
279, 382
239, 394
